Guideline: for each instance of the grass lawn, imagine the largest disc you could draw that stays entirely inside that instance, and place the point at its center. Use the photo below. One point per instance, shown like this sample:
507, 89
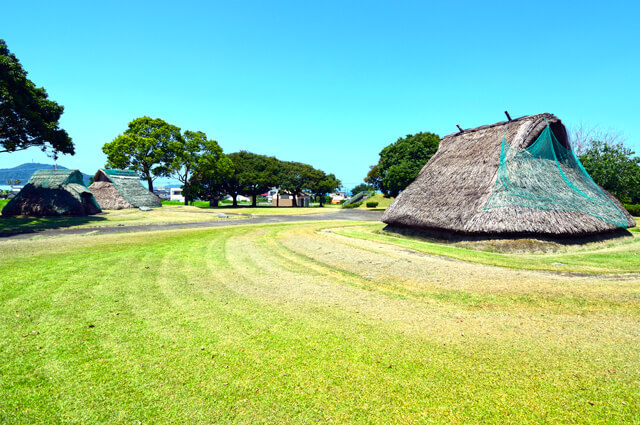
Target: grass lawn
276, 210
613, 256
166, 214
125, 217
303, 323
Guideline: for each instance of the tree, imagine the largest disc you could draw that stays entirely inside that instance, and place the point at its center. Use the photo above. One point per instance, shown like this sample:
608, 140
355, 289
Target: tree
582, 137
362, 187
400, 162
27, 116
191, 152
296, 177
209, 177
322, 183
614, 167
143, 148
373, 178
255, 173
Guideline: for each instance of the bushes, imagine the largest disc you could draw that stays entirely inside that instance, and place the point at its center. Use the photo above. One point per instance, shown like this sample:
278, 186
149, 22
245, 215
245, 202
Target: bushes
353, 205
634, 209
372, 204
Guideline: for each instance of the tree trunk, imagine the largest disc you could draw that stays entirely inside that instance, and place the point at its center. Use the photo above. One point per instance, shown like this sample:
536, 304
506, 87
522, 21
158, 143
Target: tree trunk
320, 199
213, 203
277, 199
150, 183
254, 200
185, 193
294, 202
235, 200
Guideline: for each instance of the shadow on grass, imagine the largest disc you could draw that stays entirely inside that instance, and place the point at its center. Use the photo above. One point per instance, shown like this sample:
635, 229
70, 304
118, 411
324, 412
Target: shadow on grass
10, 226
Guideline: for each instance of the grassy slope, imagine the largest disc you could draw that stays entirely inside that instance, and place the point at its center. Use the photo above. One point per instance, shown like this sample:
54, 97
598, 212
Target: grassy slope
618, 256
383, 202
295, 324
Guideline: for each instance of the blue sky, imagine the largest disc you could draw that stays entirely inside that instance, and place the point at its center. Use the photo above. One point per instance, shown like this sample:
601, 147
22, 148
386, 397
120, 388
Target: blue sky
328, 83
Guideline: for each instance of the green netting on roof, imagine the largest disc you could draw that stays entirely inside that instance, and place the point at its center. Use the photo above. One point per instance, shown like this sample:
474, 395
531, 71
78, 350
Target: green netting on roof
547, 176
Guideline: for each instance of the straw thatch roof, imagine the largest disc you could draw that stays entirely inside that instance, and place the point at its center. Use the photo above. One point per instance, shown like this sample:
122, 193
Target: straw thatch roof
118, 189
452, 189
53, 193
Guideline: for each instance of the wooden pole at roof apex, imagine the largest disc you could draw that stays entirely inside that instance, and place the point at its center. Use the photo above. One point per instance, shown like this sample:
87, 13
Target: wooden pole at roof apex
459, 128
508, 116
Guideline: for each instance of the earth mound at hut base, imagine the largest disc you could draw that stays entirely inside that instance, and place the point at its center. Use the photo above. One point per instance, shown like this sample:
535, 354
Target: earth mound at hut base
511, 244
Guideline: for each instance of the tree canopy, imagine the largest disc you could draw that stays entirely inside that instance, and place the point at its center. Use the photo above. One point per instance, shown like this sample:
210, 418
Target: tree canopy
254, 174
362, 187
27, 116
194, 151
322, 183
144, 148
400, 162
613, 166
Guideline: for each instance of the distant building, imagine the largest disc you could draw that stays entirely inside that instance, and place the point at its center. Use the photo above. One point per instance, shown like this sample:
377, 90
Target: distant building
337, 197
285, 199
176, 194
162, 192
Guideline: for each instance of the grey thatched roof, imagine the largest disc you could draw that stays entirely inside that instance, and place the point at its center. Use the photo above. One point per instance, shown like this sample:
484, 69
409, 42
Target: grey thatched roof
117, 189
51, 193
452, 189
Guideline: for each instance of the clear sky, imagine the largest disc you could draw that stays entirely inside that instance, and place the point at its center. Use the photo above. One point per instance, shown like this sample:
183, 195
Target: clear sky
329, 83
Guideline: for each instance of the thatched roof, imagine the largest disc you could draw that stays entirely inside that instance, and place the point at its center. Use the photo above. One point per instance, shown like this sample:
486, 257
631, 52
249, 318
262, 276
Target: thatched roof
52, 193
118, 189
453, 189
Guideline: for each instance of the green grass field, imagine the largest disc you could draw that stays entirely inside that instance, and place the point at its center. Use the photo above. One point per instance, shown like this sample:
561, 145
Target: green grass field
128, 217
310, 323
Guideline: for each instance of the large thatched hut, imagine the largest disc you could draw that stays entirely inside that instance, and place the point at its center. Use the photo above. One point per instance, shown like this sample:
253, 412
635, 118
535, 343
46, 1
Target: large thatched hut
516, 177
118, 189
53, 193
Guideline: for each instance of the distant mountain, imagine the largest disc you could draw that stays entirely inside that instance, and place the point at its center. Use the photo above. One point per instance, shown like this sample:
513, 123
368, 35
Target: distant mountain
23, 172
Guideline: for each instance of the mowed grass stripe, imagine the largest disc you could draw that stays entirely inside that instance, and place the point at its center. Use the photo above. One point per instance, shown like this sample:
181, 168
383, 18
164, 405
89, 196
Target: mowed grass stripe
207, 335
612, 257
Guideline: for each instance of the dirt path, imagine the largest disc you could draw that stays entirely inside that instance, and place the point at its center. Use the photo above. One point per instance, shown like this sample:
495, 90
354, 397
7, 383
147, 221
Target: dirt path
352, 214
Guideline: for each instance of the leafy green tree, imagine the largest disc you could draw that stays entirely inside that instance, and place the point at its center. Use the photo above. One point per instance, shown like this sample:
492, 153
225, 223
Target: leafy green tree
322, 183
143, 148
295, 178
614, 167
373, 178
400, 162
193, 151
27, 116
362, 187
255, 173
233, 185
208, 179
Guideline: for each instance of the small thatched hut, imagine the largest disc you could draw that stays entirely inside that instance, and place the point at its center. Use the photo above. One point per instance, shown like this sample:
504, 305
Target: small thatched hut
53, 193
512, 178
118, 189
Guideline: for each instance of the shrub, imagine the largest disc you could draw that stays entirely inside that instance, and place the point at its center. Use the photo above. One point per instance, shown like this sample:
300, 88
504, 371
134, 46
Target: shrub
353, 205
634, 209
372, 204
